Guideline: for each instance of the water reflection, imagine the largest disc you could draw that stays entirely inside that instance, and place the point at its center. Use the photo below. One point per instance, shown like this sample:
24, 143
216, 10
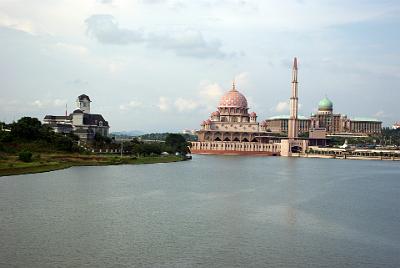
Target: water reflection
209, 212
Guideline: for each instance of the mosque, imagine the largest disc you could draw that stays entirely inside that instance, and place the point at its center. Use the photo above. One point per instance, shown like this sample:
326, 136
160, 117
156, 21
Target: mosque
232, 129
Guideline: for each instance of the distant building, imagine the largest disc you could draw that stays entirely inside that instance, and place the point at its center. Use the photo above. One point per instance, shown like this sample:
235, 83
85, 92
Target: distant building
189, 131
81, 122
396, 125
325, 118
279, 124
338, 123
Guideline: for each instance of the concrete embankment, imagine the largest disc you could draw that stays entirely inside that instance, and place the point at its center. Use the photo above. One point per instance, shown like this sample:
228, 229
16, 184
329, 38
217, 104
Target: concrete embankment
349, 157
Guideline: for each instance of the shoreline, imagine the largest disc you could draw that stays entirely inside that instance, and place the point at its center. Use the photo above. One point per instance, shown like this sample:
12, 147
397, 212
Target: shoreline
321, 156
12, 167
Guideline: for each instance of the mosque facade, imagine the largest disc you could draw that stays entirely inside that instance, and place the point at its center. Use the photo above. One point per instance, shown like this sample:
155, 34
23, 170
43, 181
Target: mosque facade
233, 129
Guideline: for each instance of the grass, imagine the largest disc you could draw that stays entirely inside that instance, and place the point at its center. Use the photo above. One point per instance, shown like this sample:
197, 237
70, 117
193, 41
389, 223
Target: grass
10, 165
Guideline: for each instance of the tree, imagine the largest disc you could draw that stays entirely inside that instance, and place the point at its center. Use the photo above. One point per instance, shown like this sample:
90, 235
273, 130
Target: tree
27, 128
177, 143
25, 156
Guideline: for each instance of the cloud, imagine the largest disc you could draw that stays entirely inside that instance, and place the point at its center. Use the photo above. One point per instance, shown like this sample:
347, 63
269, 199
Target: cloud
153, 1
106, 30
105, 1
282, 106
185, 104
163, 104
115, 66
71, 48
382, 114
130, 105
242, 79
77, 82
17, 24
48, 103
210, 92
187, 43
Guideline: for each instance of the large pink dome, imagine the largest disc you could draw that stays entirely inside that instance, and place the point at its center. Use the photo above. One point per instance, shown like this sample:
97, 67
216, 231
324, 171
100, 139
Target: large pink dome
233, 99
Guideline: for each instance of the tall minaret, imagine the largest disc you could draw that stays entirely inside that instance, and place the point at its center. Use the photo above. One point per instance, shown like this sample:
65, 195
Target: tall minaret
293, 129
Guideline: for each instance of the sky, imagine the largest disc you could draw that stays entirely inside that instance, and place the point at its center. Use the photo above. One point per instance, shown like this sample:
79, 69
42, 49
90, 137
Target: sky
162, 65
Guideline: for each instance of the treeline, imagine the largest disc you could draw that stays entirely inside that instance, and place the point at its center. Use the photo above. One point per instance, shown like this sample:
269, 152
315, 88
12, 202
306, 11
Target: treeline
30, 134
163, 136
391, 136
388, 137
174, 143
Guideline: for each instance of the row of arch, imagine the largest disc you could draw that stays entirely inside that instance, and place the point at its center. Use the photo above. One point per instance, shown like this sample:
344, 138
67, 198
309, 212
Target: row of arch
238, 137
235, 139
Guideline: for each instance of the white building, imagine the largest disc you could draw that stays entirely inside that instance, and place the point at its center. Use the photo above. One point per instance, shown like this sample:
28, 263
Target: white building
81, 122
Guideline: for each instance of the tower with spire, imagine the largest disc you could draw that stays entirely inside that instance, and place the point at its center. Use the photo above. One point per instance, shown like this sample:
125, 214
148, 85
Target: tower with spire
293, 130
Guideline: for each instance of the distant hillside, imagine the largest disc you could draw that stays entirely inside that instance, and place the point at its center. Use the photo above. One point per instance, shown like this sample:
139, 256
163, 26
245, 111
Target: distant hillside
162, 136
130, 133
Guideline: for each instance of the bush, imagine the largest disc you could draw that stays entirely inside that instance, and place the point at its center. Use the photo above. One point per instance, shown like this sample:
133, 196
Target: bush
25, 156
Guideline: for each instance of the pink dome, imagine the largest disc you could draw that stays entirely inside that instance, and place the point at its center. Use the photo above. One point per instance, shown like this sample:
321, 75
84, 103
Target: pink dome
233, 99
263, 123
203, 123
208, 122
216, 113
253, 114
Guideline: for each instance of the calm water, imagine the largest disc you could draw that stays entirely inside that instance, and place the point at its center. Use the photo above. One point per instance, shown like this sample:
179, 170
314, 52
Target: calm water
213, 211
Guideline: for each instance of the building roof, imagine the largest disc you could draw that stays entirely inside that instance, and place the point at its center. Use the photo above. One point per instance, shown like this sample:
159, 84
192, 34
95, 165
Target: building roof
365, 119
83, 97
78, 111
233, 98
325, 104
300, 117
94, 119
57, 117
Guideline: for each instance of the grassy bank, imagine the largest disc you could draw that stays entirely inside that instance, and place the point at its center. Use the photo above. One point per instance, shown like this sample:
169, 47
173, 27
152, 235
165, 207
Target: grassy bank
47, 162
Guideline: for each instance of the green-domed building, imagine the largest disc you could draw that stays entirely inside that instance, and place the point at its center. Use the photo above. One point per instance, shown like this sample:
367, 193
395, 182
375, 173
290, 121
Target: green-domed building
325, 105
338, 123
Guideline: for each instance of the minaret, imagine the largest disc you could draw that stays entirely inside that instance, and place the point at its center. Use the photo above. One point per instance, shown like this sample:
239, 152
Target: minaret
293, 129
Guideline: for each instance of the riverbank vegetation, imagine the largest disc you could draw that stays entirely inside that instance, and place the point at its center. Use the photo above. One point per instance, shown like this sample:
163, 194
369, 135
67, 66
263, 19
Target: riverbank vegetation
389, 137
28, 146
11, 165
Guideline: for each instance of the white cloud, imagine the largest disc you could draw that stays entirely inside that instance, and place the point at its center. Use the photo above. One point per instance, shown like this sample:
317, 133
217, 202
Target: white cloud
115, 66
59, 102
282, 106
185, 104
242, 80
37, 103
48, 103
163, 104
210, 91
17, 24
71, 48
188, 42
130, 105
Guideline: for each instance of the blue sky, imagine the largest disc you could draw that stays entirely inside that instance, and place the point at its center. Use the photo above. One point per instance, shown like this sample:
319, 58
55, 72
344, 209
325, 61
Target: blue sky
162, 65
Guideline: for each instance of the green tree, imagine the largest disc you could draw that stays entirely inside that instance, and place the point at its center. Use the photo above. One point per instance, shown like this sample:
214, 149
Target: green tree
177, 143
27, 128
25, 156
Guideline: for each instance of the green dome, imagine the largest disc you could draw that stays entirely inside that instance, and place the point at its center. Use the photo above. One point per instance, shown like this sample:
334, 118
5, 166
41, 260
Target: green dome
325, 104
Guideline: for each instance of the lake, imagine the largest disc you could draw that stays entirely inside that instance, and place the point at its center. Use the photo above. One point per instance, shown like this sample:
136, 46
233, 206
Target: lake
212, 211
